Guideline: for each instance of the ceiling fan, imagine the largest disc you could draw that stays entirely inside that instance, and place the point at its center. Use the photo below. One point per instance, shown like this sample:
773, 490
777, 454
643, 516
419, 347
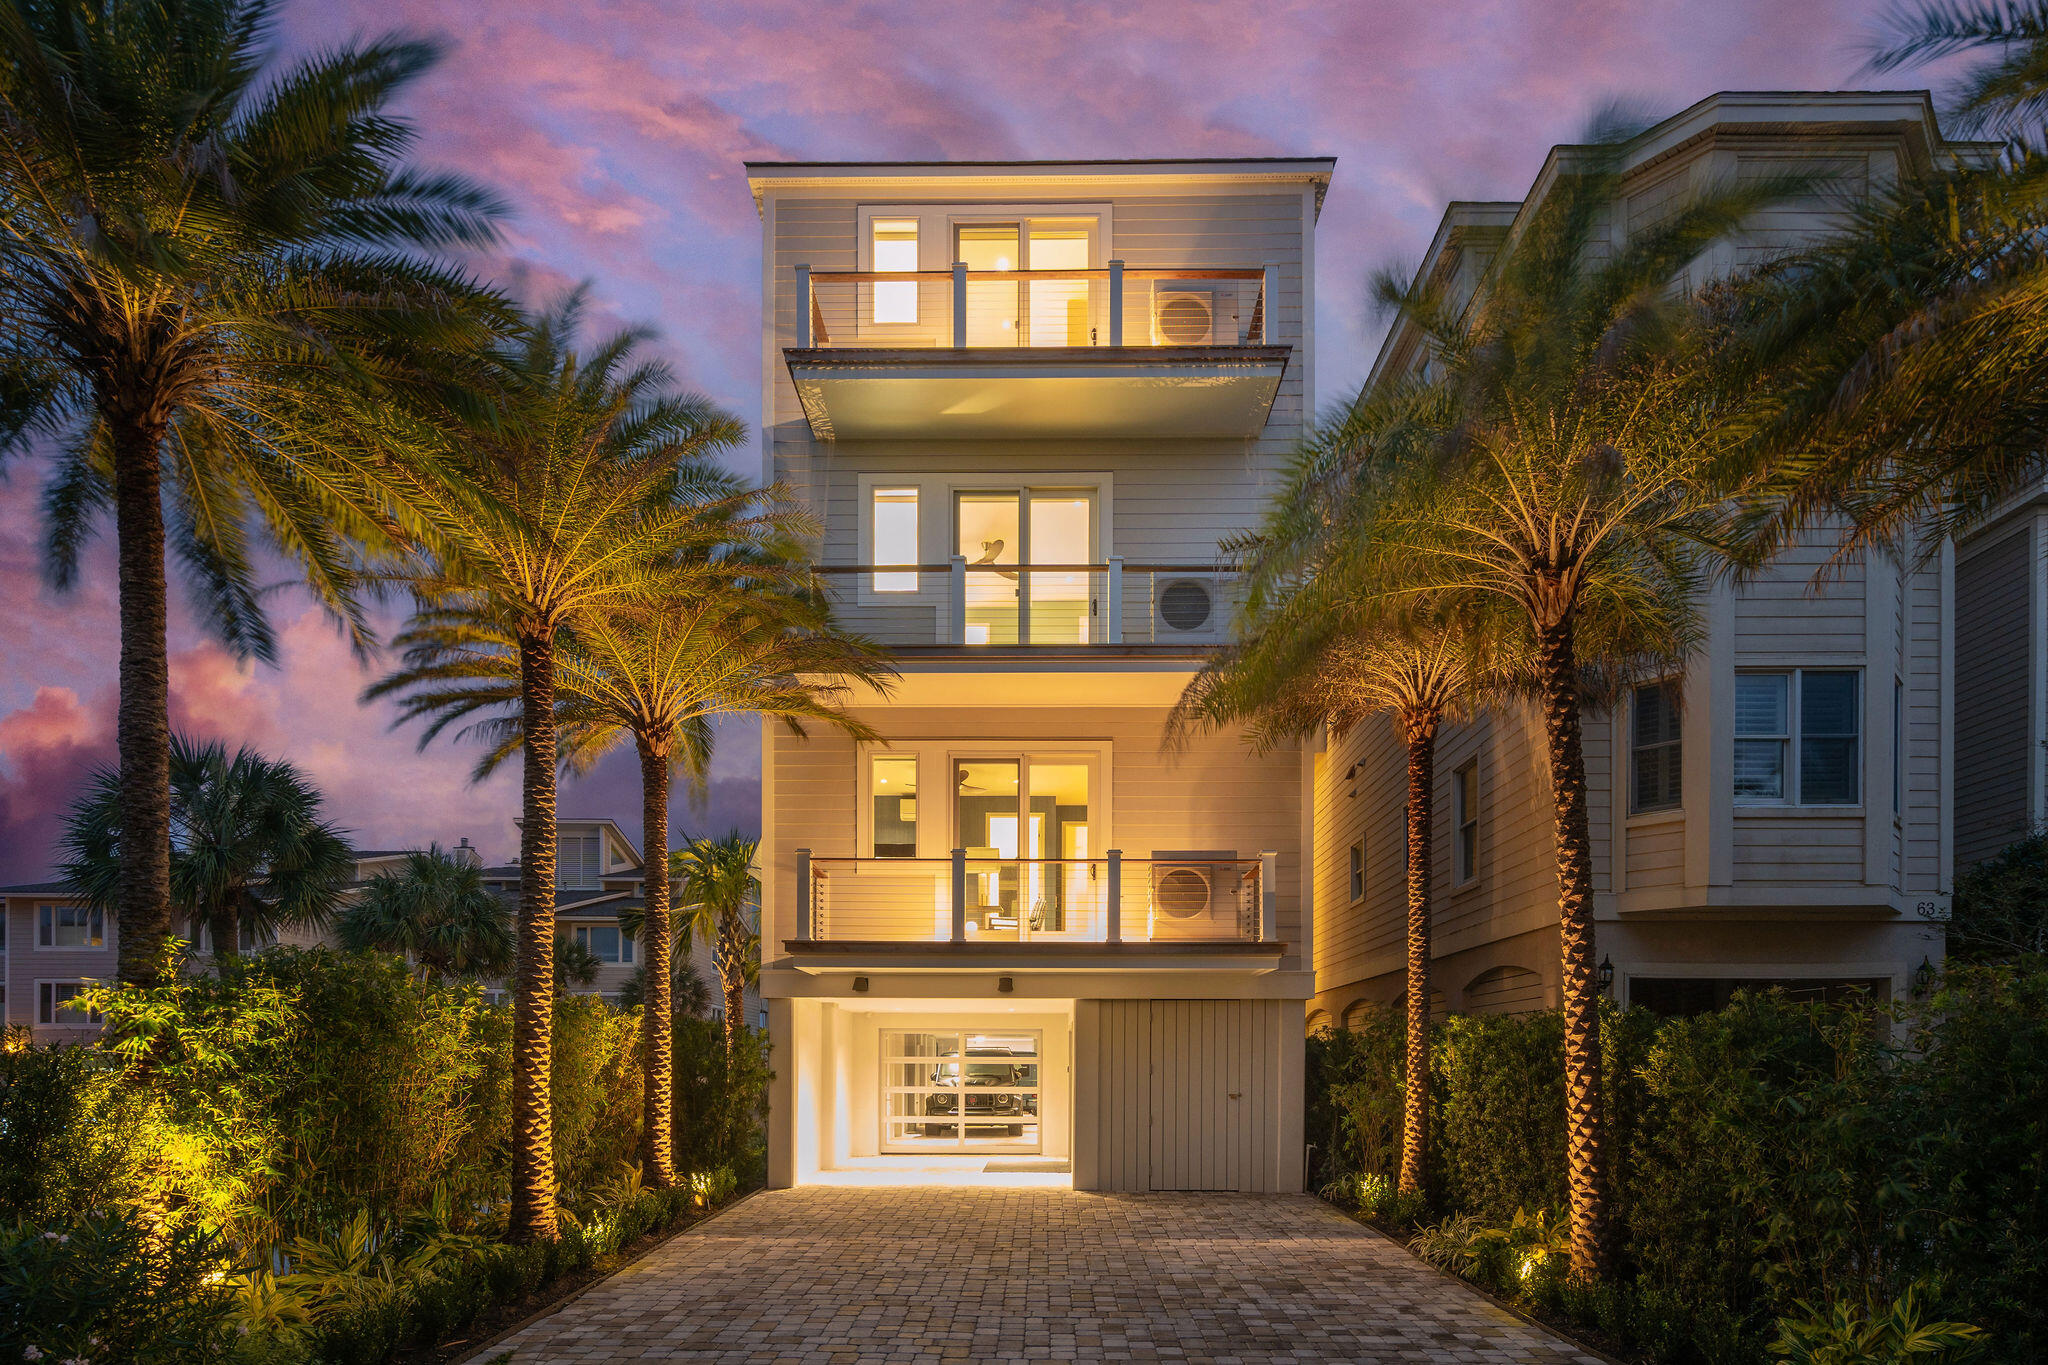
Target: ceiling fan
989, 550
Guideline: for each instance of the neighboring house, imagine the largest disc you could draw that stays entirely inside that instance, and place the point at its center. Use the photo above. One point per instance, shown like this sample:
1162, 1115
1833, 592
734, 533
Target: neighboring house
1026, 400
2001, 672
51, 943
1781, 817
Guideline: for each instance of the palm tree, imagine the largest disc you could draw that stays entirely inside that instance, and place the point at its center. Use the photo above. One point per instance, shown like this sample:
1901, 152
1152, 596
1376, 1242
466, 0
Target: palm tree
657, 676
202, 248
436, 911
1554, 490
1905, 355
687, 993
575, 964
718, 890
249, 851
590, 491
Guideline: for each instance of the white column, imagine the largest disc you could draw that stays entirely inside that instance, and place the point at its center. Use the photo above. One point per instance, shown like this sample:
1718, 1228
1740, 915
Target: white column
959, 303
805, 921
1116, 303
803, 307
959, 895
1113, 931
1113, 605
1269, 896
956, 606
1268, 305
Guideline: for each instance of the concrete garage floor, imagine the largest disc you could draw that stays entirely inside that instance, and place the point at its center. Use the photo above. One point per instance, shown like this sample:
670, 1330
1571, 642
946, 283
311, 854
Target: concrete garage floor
854, 1276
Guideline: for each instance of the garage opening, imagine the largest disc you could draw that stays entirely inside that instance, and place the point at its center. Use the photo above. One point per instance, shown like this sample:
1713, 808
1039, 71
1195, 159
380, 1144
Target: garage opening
960, 1092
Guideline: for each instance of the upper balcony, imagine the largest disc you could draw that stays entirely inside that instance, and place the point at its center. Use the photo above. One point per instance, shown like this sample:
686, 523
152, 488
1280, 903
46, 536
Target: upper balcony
983, 354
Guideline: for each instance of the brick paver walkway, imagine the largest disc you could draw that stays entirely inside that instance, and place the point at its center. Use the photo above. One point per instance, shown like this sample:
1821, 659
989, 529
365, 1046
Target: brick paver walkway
853, 1276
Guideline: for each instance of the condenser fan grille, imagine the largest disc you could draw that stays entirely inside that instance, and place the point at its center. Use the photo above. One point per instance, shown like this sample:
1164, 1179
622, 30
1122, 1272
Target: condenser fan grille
1182, 892
1184, 319
1184, 604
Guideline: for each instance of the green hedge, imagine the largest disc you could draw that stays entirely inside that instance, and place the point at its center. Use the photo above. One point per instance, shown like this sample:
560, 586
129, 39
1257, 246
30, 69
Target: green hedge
1771, 1153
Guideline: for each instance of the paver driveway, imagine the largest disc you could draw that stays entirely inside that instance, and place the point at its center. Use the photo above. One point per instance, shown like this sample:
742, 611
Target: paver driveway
853, 1276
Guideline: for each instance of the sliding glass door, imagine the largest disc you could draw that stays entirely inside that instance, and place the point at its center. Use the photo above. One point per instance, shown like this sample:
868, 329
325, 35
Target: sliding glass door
1000, 530
1028, 824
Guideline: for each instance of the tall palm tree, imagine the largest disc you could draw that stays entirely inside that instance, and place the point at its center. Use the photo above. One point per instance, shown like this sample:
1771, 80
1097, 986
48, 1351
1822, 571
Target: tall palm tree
657, 676
201, 247
721, 895
1905, 354
435, 910
592, 489
249, 851
1558, 492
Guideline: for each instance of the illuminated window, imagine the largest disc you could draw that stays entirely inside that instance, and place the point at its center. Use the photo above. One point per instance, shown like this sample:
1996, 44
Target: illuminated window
70, 926
895, 531
895, 248
893, 801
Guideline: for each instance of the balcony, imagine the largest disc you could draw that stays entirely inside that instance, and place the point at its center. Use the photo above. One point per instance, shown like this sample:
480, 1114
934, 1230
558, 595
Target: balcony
1043, 610
981, 354
1199, 906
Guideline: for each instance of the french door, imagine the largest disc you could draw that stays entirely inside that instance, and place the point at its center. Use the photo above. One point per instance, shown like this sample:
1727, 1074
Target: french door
1001, 533
1030, 827
961, 1091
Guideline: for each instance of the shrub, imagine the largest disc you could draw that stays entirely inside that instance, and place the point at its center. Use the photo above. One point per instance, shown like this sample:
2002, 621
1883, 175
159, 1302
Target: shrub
2000, 909
1873, 1334
110, 1288
1499, 1108
1354, 1087
719, 1116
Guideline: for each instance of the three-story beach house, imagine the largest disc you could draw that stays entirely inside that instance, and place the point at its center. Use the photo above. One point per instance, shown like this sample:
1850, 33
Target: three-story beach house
1026, 400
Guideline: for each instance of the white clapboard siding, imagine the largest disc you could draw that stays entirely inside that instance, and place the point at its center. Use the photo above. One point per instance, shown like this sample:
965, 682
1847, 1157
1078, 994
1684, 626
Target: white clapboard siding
1994, 663
1187, 1095
1656, 854
1506, 990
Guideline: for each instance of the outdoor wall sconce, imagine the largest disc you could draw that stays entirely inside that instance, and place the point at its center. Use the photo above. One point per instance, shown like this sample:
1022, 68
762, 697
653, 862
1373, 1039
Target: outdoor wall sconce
1606, 975
860, 983
1923, 977
1005, 985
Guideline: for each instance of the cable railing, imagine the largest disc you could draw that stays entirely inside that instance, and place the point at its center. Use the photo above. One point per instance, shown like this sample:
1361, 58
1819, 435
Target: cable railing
977, 899
1000, 309
1067, 606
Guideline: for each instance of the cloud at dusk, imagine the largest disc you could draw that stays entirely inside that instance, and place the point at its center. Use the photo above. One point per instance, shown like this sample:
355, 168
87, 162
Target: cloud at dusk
618, 130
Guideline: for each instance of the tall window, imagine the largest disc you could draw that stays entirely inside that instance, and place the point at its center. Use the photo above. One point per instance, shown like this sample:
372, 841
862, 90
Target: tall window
605, 942
1358, 872
1465, 810
895, 533
1796, 737
70, 926
893, 806
895, 248
576, 861
1654, 748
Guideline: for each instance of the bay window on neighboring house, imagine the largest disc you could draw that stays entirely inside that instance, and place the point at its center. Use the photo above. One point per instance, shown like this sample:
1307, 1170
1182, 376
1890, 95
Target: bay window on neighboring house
1656, 756
70, 926
605, 942
1797, 735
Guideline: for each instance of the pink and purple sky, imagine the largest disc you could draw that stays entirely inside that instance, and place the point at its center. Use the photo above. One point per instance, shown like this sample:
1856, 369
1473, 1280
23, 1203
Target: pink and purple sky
617, 128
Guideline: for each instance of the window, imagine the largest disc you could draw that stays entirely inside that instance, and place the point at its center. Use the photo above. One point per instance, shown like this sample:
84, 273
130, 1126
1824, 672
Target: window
576, 861
605, 942
70, 926
895, 248
1358, 872
893, 801
53, 1005
1465, 809
761, 1020
895, 532
1796, 737
1654, 747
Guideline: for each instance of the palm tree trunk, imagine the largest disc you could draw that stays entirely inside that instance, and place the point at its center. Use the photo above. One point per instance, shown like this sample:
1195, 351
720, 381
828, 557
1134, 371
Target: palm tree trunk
1585, 1120
1421, 736
533, 1145
227, 933
657, 1140
732, 974
143, 727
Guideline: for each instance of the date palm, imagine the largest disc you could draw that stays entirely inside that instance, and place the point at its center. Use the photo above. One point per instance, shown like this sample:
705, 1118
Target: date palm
657, 677
1555, 490
719, 894
592, 490
201, 249
250, 853
436, 911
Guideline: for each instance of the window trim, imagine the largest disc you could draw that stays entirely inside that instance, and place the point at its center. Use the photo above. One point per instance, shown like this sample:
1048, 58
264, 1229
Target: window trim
1794, 735
92, 914
936, 534
1463, 819
935, 834
1636, 747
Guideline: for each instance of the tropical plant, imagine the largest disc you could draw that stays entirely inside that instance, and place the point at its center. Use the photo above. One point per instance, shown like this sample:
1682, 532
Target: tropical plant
657, 676
592, 489
688, 996
720, 895
249, 851
2000, 909
436, 911
1546, 481
1872, 1333
575, 964
204, 248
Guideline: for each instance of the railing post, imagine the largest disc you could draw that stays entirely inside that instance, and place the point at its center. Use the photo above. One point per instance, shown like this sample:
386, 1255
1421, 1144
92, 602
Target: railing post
1114, 931
956, 603
1269, 303
1023, 604
1113, 608
1116, 303
803, 308
804, 929
959, 895
1269, 897
959, 303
